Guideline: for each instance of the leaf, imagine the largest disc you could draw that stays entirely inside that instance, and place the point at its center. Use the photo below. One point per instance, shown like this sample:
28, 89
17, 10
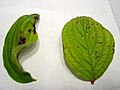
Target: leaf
21, 35
88, 48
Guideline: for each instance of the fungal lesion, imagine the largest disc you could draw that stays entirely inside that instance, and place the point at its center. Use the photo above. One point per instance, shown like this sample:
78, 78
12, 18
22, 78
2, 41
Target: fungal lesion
100, 42
113, 45
22, 40
96, 57
97, 24
96, 53
87, 21
29, 30
77, 21
21, 32
92, 23
34, 24
34, 27
36, 18
113, 50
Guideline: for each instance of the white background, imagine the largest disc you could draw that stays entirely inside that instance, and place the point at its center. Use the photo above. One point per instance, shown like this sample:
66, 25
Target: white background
115, 5
45, 61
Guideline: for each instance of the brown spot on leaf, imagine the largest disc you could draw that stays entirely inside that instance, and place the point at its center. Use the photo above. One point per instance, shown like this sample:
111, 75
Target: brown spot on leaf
87, 21
96, 57
113, 49
96, 23
34, 30
96, 53
113, 45
77, 21
29, 30
100, 42
36, 17
92, 23
22, 40
21, 32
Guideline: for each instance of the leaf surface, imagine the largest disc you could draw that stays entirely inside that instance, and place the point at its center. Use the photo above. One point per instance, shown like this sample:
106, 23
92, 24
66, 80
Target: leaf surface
21, 35
88, 48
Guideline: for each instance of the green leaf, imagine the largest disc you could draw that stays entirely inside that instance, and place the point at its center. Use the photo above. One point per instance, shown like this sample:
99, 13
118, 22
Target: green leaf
88, 48
21, 35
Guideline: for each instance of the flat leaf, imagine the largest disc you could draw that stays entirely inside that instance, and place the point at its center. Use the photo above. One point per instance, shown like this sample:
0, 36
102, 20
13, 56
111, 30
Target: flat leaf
88, 48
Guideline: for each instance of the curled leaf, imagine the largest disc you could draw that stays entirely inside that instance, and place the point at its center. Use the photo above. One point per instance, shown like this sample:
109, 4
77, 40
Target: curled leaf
88, 48
22, 34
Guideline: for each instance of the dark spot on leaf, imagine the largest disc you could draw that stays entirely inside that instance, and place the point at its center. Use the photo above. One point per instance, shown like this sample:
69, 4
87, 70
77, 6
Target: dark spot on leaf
77, 22
87, 21
100, 42
77, 46
96, 57
113, 49
96, 23
92, 23
22, 40
113, 45
96, 53
34, 30
21, 32
37, 18
29, 30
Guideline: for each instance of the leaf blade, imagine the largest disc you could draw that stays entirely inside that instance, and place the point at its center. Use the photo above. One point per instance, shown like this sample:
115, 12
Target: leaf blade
88, 41
17, 38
